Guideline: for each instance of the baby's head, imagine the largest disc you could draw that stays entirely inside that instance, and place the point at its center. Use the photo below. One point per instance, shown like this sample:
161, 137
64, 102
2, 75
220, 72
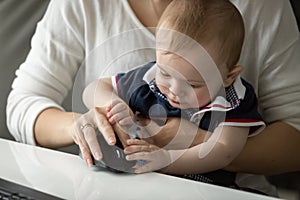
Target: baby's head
214, 24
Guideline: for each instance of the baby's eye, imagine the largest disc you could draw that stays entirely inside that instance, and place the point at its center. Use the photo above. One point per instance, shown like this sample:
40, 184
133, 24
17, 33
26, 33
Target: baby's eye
196, 85
164, 73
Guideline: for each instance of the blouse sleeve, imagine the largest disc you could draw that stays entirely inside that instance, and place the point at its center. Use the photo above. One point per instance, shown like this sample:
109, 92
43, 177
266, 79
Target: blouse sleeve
271, 58
47, 74
279, 83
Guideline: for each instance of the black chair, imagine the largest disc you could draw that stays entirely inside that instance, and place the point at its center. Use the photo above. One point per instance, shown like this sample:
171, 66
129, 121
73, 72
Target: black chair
296, 7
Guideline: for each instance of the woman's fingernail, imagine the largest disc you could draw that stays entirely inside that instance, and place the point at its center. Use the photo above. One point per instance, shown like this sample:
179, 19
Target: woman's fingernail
97, 156
111, 140
89, 162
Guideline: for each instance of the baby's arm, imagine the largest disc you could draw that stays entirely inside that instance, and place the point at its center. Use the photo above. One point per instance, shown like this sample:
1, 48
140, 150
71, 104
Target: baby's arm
100, 93
216, 153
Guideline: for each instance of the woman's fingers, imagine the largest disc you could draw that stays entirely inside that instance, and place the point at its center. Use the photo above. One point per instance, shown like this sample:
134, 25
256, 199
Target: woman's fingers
86, 155
80, 140
122, 134
105, 127
85, 133
91, 139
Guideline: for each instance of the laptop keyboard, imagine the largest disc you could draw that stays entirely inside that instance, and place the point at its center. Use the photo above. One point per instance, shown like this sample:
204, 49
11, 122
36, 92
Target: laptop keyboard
6, 195
13, 191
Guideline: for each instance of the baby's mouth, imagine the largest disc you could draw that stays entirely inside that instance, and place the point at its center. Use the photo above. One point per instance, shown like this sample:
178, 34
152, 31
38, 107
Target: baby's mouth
174, 101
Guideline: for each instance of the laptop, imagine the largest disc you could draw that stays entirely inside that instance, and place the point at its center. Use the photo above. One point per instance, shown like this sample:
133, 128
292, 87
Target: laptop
11, 190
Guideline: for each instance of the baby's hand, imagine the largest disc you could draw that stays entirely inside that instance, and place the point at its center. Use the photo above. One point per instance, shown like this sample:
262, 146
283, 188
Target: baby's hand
119, 111
154, 158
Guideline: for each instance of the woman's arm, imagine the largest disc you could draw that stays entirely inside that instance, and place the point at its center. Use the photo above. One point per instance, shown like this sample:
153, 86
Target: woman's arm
50, 136
67, 129
274, 151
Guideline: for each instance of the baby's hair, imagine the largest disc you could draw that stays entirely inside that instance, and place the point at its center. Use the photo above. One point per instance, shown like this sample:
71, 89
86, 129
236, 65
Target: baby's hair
216, 24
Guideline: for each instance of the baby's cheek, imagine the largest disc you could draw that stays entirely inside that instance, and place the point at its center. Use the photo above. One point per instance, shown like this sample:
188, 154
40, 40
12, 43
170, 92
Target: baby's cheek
203, 100
162, 89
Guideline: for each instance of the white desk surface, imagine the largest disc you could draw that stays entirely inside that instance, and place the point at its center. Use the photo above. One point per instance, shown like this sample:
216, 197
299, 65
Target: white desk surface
66, 176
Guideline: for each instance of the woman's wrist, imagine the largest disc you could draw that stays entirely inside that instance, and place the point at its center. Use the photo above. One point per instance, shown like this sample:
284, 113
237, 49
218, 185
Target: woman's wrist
54, 128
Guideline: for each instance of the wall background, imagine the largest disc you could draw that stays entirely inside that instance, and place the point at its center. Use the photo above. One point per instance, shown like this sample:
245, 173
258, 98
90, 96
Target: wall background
18, 19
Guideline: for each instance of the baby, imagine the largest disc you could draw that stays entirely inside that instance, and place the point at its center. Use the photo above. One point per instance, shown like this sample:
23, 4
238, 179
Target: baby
195, 77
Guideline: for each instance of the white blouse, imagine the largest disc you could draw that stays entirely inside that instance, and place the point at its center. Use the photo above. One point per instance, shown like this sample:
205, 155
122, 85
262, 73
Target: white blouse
79, 41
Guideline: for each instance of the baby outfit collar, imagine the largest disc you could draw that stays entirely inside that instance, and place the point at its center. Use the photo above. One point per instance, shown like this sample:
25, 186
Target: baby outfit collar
150, 74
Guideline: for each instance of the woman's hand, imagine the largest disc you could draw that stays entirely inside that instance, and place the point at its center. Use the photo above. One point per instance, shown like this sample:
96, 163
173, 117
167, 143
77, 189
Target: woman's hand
149, 157
85, 136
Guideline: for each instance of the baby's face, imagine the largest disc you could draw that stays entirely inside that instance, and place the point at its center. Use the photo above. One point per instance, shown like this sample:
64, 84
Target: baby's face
187, 74
181, 83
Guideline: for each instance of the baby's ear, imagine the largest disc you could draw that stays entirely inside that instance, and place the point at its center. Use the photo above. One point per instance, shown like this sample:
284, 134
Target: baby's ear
232, 75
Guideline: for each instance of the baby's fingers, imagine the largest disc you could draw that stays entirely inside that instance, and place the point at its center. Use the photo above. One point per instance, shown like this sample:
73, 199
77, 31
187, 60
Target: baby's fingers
137, 142
126, 121
139, 149
139, 156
